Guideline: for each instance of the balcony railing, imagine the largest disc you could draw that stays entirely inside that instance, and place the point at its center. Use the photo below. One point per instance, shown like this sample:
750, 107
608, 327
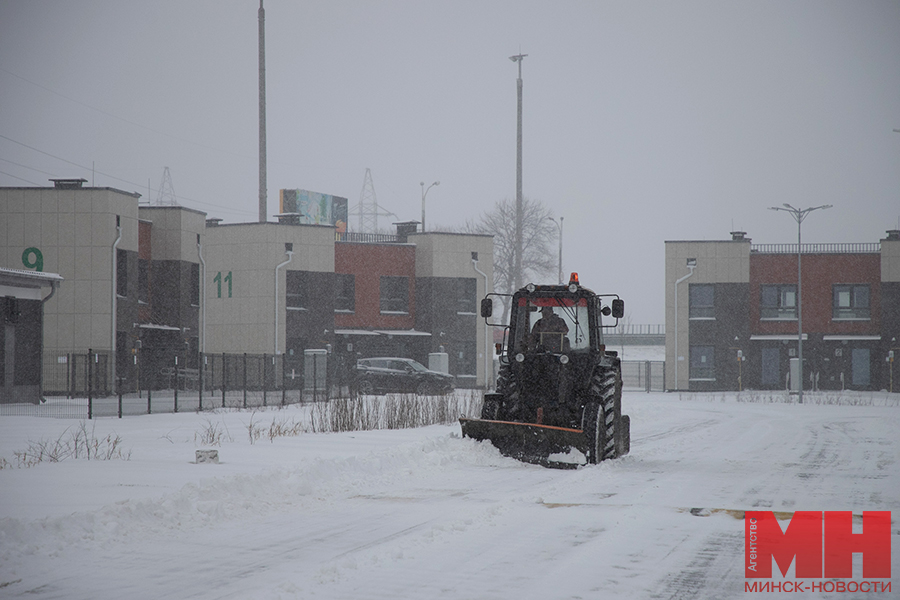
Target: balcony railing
367, 238
778, 312
860, 313
860, 248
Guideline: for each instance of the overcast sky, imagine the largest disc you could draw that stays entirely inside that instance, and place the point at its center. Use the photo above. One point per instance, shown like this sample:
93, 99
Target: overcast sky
643, 121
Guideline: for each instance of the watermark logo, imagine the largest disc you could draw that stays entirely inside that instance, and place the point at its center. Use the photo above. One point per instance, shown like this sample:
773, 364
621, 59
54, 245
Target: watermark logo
820, 545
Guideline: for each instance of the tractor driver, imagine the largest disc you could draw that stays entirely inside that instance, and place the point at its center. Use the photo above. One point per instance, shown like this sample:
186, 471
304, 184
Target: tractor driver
550, 330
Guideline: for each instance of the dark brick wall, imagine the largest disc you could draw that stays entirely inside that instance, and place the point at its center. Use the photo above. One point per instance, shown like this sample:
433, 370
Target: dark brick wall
730, 322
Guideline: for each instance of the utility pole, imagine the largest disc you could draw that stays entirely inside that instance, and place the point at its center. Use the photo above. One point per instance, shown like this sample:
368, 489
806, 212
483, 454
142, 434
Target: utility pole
517, 265
262, 113
799, 215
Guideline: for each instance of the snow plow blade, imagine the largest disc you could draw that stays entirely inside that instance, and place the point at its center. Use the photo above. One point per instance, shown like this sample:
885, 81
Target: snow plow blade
530, 442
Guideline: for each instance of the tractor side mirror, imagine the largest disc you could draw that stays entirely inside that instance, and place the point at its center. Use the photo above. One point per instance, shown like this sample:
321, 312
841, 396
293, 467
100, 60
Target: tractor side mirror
618, 308
487, 307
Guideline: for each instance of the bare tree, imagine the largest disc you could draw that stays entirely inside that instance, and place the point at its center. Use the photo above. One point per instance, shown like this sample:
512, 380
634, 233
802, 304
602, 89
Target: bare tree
539, 261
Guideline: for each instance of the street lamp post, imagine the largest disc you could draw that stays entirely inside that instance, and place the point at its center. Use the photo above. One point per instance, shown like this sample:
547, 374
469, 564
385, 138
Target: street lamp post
517, 260
424, 193
560, 226
799, 215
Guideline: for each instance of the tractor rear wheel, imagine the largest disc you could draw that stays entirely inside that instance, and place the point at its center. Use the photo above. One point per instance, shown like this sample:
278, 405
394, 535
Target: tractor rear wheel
600, 418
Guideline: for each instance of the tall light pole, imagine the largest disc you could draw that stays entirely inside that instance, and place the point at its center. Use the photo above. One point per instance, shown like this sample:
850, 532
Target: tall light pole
262, 113
560, 226
517, 264
425, 193
799, 215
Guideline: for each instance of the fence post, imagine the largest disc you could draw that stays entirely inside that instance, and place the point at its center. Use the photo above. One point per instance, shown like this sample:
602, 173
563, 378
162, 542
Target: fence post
245, 380
265, 382
120, 402
283, 373
648, 376
224, 373
200, 360
137, 366
176, 383
90, 380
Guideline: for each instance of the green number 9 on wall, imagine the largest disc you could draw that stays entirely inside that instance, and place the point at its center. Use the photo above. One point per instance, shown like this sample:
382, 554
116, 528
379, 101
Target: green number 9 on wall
33, 259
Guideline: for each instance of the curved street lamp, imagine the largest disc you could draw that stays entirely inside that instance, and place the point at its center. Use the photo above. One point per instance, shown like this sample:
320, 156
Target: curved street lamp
425, 193
799, 215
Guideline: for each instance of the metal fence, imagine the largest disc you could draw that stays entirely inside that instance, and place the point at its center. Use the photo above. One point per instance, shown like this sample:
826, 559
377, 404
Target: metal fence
644, 375
79, 385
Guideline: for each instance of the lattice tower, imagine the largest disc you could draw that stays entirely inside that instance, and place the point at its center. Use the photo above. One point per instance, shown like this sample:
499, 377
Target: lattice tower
368, 210
166, 194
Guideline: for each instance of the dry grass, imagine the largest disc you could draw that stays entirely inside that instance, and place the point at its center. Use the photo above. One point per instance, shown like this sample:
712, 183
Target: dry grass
78, 444
402, 411
820, 398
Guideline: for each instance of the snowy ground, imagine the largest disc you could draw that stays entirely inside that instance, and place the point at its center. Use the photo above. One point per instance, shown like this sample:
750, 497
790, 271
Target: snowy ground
426, 514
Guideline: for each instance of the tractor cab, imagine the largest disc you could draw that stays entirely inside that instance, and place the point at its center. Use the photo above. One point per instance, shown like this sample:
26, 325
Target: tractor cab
554, 319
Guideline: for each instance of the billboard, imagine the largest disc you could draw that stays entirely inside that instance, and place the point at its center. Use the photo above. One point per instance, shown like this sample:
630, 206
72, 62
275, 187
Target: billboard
313, 208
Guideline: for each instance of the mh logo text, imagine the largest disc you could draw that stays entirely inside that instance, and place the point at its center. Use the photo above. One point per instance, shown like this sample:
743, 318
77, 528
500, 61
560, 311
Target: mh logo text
822, 543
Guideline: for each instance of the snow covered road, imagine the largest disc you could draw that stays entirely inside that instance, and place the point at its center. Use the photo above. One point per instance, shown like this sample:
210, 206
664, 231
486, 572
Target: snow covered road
426, 514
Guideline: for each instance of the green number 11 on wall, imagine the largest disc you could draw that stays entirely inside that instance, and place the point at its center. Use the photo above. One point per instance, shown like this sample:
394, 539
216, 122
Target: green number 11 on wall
218, 281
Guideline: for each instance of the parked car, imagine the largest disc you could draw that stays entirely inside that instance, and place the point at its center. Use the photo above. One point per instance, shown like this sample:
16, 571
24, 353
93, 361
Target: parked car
383, 375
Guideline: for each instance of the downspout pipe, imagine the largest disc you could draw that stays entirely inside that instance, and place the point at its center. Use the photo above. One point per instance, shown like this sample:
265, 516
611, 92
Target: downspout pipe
115, 304
290, 255
202, 296
53, 286
691, 267
488, 357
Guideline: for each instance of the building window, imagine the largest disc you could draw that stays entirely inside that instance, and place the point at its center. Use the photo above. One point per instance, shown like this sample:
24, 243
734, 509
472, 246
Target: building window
466, 355
121, 273
703, 363
778, 302
297, 290
851, 302
144, 281
465, 295
195, 284
344, 292
700, 301
395, 295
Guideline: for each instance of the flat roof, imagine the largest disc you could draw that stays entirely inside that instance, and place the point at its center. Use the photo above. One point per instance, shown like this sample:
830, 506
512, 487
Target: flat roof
23, 276
77, 189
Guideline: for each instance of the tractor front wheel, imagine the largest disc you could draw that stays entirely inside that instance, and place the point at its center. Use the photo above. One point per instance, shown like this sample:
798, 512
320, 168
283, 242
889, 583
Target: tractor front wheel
594, 428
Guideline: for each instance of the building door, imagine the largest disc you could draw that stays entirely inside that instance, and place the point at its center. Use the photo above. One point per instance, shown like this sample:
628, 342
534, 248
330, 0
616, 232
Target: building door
771, 368
860, 368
